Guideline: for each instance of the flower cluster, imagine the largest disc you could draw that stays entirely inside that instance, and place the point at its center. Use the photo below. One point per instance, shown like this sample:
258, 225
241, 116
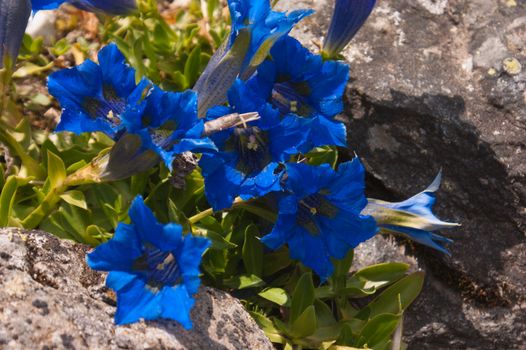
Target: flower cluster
297, 95
105, 98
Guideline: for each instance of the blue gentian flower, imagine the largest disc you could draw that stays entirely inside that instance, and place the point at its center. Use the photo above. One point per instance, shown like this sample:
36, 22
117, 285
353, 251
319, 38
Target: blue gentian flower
307, 91
412, 218
14, 15
247, 163
169, 125
255, 29
101, 97
105, 98
114, 7
319, 214
154, 270
347, 19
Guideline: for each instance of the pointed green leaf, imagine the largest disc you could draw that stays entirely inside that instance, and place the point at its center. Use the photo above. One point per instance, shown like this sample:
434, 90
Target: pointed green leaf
302, 298
56, 171
276, 295
253, 251
379, 330
268, 327
323, 155
395, 298
379, 275
75, 198
347, 337
7, 199
305, 324
244, 281
192, 65
276, 261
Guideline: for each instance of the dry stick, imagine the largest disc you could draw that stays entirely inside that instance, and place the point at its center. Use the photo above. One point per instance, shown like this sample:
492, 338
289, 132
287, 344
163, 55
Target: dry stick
229, 121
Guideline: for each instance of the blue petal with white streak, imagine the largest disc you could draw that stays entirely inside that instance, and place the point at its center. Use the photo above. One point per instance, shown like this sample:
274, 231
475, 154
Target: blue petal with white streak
413, 218
255, 29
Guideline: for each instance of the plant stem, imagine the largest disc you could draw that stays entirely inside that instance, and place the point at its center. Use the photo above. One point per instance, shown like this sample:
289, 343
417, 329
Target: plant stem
80, 177
238, 202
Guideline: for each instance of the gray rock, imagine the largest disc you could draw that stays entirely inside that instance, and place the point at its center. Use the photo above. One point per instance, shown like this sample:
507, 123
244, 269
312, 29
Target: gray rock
50, 299
431, 88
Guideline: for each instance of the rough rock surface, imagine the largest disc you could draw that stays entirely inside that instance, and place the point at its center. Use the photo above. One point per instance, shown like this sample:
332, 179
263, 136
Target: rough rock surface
50, 299
442, 84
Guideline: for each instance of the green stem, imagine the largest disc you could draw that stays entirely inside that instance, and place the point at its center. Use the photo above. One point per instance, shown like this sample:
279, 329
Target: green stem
32, 166
51, 200
263, 213
200, 216
34, 169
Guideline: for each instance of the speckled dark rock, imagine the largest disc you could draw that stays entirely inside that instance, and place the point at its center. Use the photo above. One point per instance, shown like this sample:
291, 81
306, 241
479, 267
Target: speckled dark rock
50, 299
442, 84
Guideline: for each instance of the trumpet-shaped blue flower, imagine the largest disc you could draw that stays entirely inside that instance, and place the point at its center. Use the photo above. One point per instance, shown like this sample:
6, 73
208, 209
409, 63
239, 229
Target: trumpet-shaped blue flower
154, 270
105, 98
255, 29
169, 125
14, 15
247, 163
99, 97
319, 215
412, 218
347, 19
307, 91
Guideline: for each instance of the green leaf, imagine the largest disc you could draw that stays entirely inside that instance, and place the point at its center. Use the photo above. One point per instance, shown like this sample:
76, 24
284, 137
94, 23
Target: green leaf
396, 298
253, 251
378, 276
7, 199
244, 281
323, 155
276, 261
303, 296
192, 65
276, 295
378, 330
346, 337
328, 328
56, 170
75, 198
268, 327
218, 241
305, 324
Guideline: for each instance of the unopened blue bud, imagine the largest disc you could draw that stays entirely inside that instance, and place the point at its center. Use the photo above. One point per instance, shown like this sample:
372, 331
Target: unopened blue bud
14, 15
347, 19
